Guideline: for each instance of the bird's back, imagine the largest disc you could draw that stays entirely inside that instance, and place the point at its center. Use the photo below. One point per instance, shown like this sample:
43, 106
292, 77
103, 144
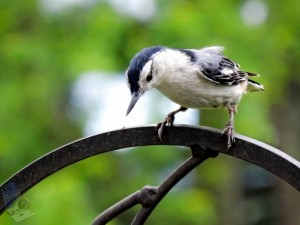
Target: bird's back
212, 81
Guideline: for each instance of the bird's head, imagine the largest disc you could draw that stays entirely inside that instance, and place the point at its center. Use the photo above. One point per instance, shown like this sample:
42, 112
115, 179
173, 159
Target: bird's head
141, 74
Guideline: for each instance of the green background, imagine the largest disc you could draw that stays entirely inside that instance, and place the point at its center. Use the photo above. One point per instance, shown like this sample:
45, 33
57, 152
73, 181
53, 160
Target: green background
42, 54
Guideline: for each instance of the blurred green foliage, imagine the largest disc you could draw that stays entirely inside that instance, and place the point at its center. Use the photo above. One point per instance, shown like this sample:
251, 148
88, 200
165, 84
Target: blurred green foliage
41, 54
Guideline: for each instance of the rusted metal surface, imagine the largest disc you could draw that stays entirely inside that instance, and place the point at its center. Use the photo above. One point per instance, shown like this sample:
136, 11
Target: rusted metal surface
258, 153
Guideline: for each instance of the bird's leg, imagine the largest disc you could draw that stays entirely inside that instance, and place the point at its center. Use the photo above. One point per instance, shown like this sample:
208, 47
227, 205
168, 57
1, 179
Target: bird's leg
229, 129
169, 120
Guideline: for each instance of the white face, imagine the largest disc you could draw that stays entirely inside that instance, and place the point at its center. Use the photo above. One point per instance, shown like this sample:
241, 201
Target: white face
147, 79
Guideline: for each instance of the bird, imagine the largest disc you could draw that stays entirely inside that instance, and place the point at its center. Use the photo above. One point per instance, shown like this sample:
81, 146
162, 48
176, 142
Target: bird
193, 78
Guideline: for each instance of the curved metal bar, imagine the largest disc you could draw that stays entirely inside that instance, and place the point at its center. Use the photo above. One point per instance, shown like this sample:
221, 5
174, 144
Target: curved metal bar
263, 155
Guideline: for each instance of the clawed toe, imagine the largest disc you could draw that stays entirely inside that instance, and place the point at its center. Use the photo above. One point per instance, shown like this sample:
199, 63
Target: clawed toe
229, 129
160, 128
167, 122
229, 132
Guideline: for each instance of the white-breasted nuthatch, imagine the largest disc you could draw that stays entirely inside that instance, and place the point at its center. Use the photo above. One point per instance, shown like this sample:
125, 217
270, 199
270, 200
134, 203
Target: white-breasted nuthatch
193, 78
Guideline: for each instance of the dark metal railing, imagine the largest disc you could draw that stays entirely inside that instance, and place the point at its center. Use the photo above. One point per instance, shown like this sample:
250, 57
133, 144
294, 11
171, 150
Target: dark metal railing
204, 143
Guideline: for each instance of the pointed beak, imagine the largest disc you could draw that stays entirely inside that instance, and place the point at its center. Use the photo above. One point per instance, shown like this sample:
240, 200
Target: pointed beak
134, 98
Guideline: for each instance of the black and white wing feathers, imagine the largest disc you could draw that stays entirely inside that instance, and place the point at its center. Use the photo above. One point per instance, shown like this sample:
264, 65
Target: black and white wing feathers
218, 68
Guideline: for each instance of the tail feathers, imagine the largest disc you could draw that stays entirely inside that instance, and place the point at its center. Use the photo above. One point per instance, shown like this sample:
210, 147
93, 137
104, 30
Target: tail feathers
254, 86
250, 74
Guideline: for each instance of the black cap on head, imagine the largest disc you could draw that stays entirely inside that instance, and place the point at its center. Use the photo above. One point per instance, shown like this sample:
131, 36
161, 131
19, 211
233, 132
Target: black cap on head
134, 70
136, 65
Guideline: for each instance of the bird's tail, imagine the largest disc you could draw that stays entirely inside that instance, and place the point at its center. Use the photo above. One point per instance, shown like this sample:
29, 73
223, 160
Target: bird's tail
250, 74
254, 86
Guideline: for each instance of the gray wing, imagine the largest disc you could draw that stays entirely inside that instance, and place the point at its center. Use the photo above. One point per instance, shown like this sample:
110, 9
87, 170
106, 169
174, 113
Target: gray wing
218, 68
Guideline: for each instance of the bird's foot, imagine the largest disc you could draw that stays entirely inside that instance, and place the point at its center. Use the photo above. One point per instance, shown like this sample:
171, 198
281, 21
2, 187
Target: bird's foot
229, 129
229, 132
169, 121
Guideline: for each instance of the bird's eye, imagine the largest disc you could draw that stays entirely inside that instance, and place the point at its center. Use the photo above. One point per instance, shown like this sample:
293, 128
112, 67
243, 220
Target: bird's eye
149, 77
